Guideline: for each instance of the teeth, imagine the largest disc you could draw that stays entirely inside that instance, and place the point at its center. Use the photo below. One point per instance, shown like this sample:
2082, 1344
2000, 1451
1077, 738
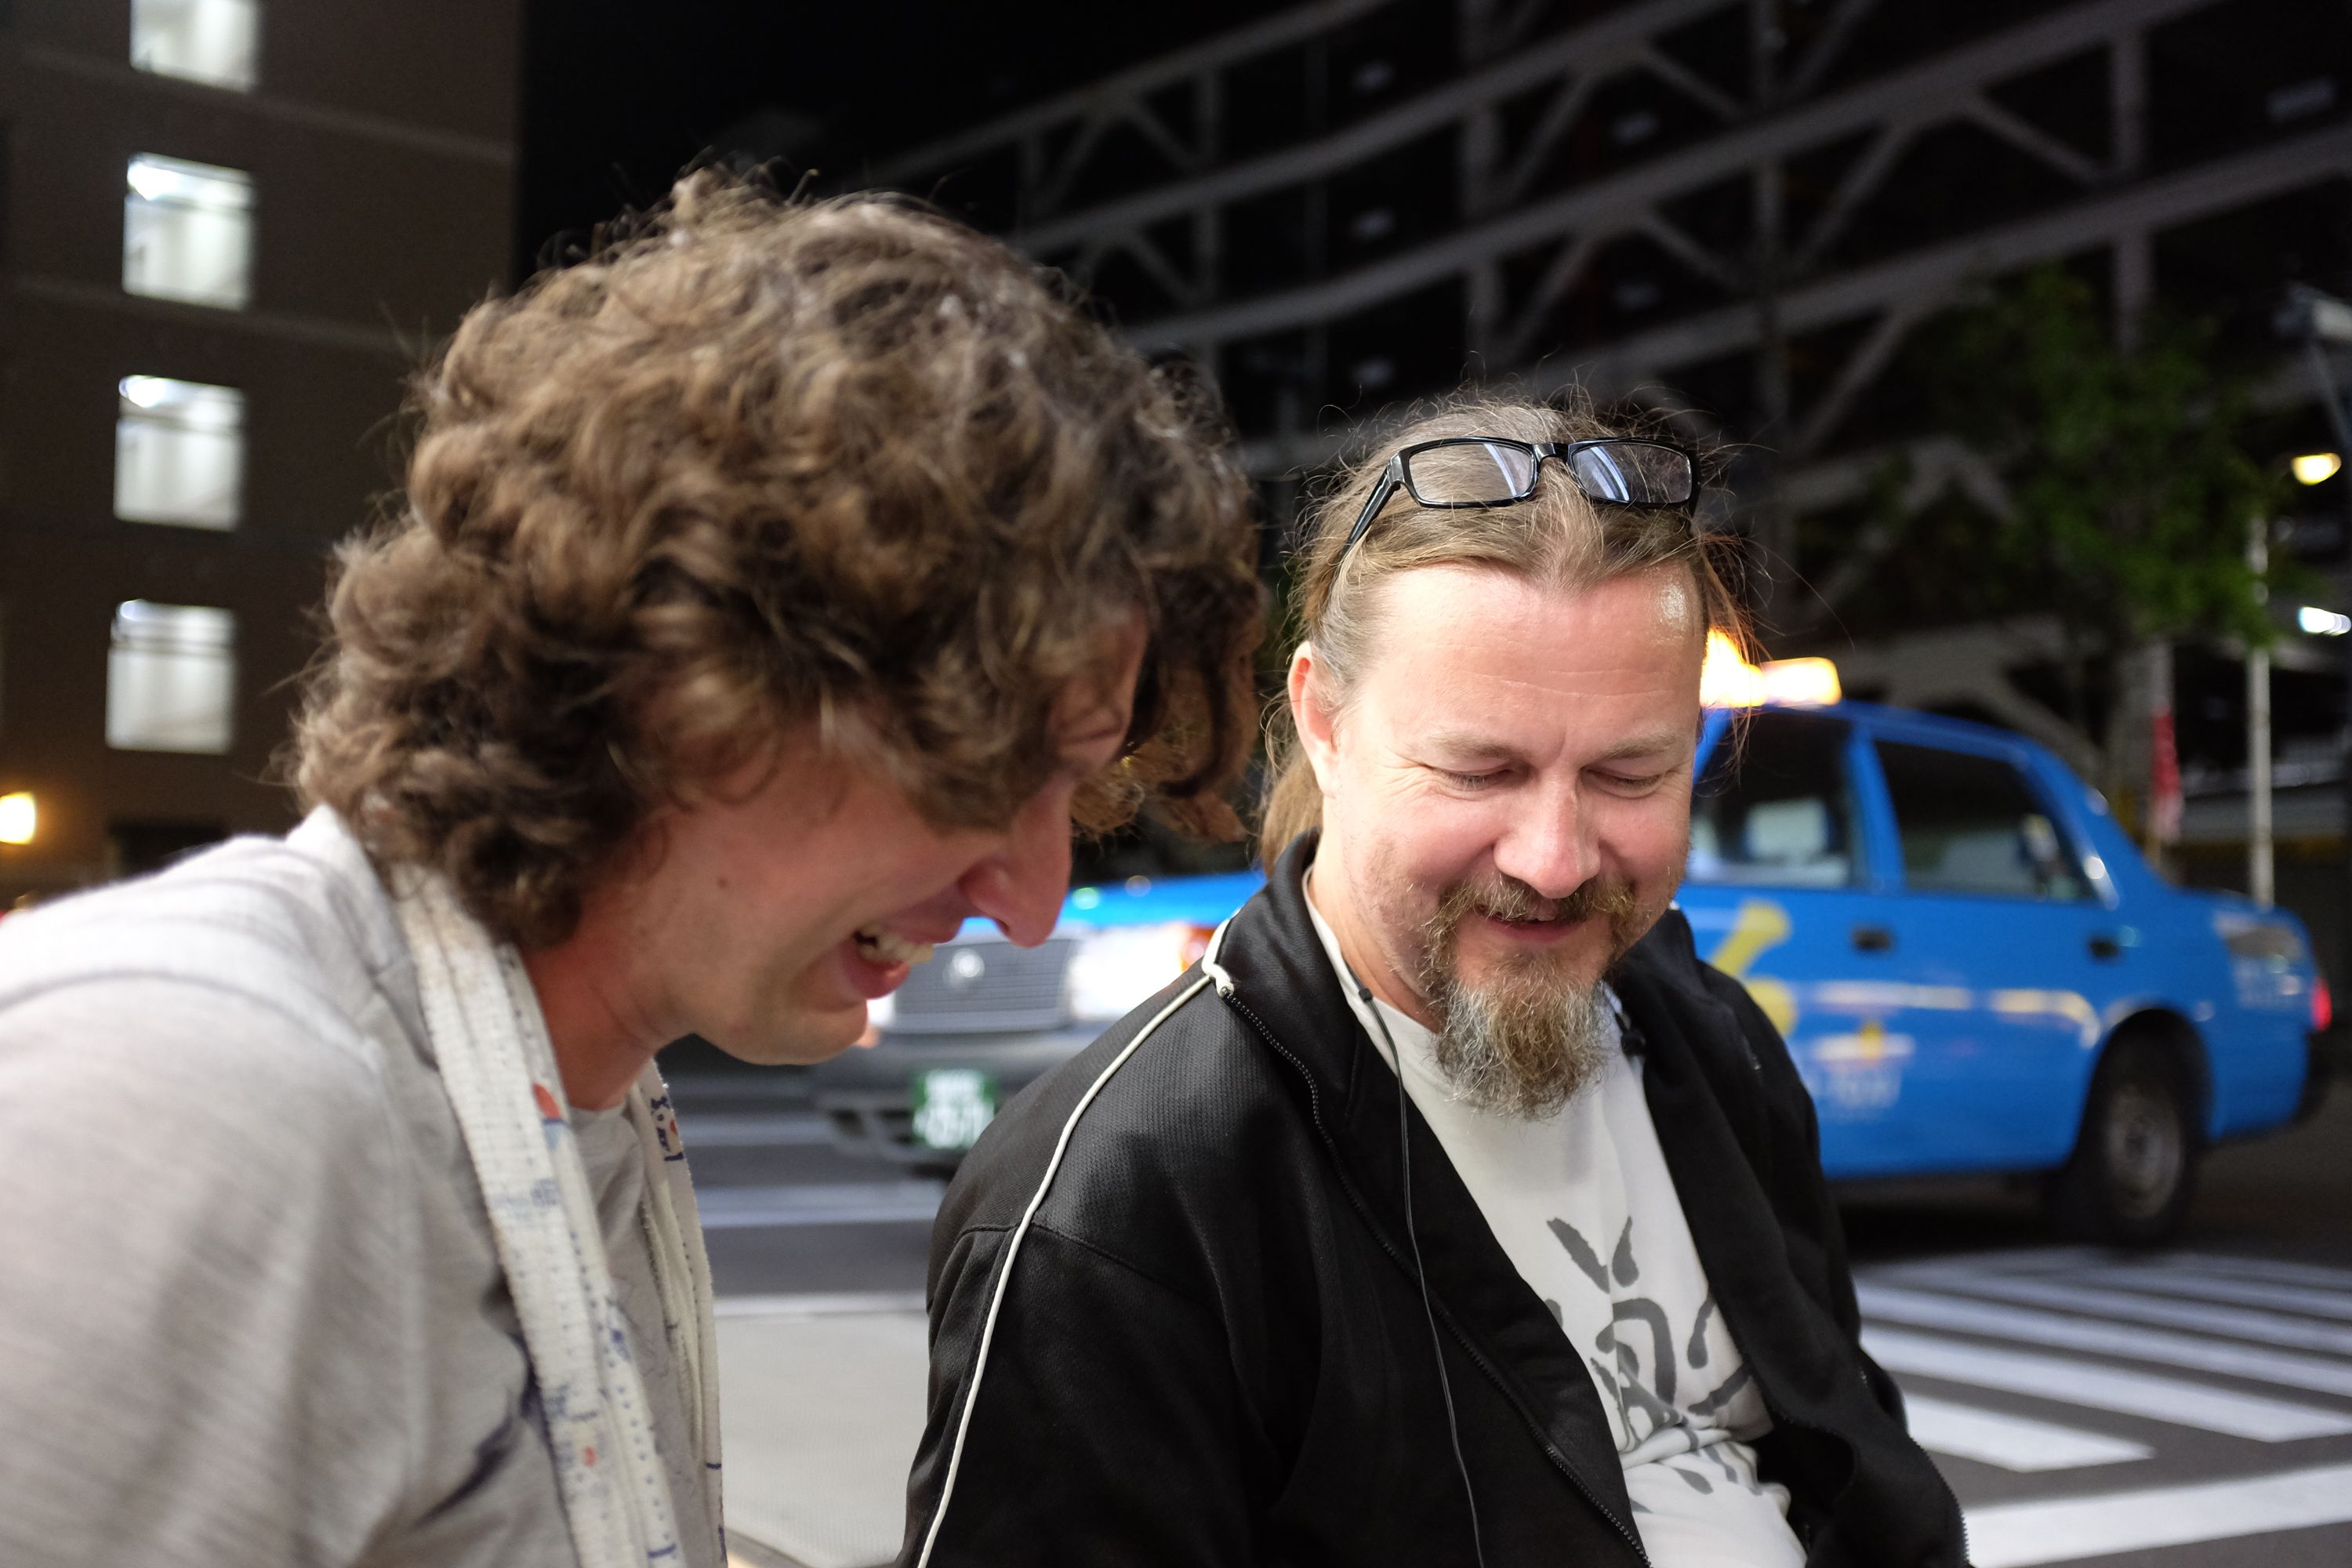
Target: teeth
886, 946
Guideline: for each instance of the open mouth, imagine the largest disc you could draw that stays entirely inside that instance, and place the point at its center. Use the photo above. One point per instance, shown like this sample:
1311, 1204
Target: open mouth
879, 944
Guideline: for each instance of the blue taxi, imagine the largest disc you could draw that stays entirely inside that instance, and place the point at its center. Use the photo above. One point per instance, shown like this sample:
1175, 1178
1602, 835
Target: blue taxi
1975, 969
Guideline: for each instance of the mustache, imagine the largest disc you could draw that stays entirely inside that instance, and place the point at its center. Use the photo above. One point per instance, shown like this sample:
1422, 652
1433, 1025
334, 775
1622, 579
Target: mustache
1508, 899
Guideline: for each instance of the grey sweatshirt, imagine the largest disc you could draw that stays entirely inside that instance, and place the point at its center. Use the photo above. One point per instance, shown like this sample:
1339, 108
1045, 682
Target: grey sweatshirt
250, 1310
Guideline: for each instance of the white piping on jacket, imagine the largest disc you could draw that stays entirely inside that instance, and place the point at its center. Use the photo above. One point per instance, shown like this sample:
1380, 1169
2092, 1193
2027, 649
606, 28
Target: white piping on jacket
1211, 970
1208, 964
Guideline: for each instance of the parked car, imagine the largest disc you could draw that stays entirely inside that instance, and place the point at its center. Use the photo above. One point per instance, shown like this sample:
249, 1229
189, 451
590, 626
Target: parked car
983, 1017
1975, 969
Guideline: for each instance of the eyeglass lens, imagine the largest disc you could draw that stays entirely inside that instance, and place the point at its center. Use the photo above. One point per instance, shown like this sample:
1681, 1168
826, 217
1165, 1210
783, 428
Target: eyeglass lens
1489, 473
1639, 473
1472, 473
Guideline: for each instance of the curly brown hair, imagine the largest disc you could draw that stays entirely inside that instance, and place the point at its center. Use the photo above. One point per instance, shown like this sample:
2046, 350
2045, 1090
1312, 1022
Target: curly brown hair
1557, 537
757, 468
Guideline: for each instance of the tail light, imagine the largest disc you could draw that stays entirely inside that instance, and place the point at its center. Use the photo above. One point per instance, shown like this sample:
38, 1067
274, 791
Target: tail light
2322, 1003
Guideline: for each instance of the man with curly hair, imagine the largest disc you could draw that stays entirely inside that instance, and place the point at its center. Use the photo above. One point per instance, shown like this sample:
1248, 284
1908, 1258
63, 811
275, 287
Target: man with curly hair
770, 593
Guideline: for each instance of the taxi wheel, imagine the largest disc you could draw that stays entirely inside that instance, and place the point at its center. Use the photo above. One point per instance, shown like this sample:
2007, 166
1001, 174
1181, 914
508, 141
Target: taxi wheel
2134, 1169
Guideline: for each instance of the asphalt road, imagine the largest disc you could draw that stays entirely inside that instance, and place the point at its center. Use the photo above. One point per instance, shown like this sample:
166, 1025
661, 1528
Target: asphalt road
2185, 1409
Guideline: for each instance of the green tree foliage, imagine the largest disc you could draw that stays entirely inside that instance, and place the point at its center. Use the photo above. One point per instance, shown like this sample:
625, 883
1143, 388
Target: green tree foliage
2129, 491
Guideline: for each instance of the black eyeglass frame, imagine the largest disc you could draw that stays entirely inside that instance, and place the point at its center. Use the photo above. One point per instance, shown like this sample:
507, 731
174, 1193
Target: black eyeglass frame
1396, 476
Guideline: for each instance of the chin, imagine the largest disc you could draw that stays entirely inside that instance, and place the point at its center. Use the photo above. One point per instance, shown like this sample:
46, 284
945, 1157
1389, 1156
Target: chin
1571, 962
800, 1039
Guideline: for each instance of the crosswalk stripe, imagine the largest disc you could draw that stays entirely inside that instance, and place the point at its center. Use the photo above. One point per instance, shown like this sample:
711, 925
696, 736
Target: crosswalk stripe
2066, 1529
2239, 1322
820, 1304
2063, 1379
2011, 1442
1925, 1309
2302, 1298
2277, 1269
818, 1203
723, 1131
2032, 1260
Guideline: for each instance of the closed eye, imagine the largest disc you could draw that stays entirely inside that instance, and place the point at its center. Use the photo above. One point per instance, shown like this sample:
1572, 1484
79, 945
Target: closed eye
1634, 783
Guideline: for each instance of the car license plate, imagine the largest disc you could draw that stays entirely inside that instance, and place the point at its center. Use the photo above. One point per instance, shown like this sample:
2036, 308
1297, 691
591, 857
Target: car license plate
953, 1105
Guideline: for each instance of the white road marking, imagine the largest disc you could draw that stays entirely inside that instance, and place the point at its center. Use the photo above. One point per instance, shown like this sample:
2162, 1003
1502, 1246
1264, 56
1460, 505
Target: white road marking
734, 1130
820, 1304
2027, 1325
2011, 1442
2022, 1259
2067, 1381
818, 1203
2065, 1529
2238, 1322
2316, 1275
2313, 1302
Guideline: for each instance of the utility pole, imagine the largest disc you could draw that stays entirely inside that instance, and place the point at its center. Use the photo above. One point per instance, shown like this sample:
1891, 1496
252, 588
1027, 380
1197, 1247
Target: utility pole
2260, 867
1774, 534
2320, 322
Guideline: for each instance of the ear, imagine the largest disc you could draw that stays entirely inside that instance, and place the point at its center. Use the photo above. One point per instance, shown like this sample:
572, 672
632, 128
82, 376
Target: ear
1315, 714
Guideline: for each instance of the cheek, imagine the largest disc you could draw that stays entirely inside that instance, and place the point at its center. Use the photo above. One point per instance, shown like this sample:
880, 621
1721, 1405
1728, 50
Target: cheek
1650, 839
1435, 842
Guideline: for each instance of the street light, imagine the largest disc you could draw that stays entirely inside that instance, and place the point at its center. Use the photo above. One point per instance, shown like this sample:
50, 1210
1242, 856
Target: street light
2314, 467
2314, 317
18, 818
2321, 623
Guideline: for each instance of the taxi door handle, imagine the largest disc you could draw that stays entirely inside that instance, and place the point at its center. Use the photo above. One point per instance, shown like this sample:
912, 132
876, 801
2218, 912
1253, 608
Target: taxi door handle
2106, 947
1874, 939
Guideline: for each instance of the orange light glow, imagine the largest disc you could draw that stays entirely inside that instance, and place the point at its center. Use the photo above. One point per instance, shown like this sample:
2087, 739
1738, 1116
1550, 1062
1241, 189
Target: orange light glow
1728, 680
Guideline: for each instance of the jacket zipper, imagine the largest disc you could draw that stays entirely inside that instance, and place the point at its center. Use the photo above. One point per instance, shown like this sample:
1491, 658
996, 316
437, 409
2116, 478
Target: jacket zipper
1765, 1395
1781, 1418
1363, 1209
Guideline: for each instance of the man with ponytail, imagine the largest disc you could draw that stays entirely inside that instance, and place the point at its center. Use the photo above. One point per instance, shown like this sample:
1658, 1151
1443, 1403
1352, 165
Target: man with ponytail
1452, 1211
770, 593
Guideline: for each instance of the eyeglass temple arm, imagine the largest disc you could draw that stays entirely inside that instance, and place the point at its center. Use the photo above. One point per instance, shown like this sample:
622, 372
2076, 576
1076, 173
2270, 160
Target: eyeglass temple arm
1390, 478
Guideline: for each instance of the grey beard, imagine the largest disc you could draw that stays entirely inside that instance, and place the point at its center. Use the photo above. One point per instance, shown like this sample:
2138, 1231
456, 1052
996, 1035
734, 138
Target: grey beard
1523, 1047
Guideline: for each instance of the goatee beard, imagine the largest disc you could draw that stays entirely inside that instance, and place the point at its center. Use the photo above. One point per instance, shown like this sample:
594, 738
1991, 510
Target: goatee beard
1530, 1037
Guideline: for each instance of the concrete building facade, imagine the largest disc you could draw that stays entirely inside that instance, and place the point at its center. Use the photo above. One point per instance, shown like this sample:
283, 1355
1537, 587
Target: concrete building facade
229, 229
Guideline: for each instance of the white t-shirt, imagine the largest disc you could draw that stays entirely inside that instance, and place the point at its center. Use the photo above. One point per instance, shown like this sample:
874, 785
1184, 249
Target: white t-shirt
1584, 1205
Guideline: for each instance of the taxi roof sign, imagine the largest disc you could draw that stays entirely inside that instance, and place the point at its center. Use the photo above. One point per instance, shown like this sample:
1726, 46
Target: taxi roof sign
1728, 680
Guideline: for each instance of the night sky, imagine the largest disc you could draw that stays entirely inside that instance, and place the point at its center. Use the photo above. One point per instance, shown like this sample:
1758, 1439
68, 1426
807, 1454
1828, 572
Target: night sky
618, 95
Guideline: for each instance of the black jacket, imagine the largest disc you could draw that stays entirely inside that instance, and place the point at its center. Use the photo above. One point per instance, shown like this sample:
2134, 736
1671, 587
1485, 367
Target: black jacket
1211, 1347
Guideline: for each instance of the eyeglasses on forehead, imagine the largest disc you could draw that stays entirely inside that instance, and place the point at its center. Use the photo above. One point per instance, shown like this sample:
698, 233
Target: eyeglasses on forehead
1496, 471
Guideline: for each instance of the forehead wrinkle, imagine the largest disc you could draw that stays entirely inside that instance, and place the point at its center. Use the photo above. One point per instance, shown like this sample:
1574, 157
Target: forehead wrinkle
1569, 695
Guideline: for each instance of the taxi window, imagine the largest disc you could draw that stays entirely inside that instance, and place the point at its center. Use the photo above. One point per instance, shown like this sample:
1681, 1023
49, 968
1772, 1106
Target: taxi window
1971, 823
1776, 807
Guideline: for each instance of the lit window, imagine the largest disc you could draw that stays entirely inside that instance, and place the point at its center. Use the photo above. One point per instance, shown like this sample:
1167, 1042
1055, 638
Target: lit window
211, 41
171, 677
187, 232
179, 452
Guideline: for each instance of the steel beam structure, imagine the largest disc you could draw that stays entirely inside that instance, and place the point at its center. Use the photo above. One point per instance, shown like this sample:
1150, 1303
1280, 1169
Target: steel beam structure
1523, 240
1906, 286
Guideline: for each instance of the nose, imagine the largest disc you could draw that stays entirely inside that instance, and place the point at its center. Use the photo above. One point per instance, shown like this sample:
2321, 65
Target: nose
1547, 846
1020, 886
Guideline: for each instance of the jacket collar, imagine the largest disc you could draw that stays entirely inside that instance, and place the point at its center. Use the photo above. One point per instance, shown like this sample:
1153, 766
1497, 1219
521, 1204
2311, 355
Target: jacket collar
1277, 976
1703, 1080
1276, 967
